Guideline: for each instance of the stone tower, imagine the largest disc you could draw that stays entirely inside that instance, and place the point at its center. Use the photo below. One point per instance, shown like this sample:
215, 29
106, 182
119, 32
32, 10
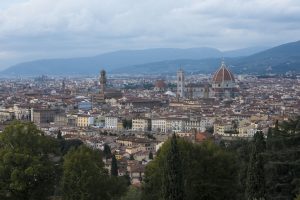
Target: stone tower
180, 83
63, 85
102, 81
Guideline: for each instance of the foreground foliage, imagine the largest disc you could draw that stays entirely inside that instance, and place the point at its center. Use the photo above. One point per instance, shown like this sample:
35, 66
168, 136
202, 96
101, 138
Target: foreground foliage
27, 163
36, 167
32, 167
279, 159
206, 168
84, 176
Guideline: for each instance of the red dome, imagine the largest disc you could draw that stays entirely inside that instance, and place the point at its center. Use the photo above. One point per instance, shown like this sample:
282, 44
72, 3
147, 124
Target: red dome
223, 75
160, 84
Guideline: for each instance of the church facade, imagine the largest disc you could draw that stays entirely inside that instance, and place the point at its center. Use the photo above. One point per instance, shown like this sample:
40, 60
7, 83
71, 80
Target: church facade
221, 86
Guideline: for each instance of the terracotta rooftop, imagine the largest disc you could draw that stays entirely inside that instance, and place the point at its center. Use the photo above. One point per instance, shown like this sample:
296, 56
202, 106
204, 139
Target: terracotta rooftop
223, 74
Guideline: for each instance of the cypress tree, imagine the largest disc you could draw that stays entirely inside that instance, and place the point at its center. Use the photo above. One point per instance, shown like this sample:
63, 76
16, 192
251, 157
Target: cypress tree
59, 135
276, 128
172, 183
150, 155
107, 151
270, 134
259, 142
255, 185
131, 157
114, 166
276, 131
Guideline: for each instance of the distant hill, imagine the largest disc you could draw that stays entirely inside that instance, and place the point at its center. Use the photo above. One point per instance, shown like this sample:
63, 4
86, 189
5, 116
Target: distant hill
119, 61
278, 59
108, 61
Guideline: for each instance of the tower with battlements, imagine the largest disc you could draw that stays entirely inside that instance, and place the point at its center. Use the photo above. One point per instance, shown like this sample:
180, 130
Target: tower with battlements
180, 83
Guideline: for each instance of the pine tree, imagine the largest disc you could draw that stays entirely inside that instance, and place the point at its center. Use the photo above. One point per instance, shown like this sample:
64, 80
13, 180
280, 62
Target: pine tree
255, 185
114, 166
172, 184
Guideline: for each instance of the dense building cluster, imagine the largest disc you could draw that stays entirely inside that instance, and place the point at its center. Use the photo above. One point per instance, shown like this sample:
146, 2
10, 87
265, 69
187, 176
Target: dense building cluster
135, 115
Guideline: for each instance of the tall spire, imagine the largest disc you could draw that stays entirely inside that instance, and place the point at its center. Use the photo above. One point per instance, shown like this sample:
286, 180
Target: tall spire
102, 81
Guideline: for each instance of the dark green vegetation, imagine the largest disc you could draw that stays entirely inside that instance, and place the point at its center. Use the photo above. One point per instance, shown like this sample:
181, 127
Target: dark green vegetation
107, 151
172, 176
282, 161
84, 176
260, 169
270, 168
114, 166
194, 171
28, 163
34, 166
279, 59
127, 123
255, 182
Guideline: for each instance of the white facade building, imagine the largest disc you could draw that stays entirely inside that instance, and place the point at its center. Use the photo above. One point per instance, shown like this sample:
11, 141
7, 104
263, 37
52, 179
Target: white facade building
111, 123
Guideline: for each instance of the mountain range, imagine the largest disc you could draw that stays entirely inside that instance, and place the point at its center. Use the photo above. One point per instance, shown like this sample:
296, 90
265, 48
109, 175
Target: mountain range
279, 59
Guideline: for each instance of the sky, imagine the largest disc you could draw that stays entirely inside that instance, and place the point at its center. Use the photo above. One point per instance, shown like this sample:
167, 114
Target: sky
37, 29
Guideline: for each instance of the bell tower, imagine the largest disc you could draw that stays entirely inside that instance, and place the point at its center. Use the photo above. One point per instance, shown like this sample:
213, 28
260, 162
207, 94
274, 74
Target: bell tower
180, 83
102, 81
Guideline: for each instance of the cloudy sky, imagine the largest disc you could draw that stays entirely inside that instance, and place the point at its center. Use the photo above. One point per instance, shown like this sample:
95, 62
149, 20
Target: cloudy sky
34, 29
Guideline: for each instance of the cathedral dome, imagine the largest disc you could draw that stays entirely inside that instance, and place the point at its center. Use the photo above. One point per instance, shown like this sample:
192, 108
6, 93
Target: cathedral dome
223, 74
160, 84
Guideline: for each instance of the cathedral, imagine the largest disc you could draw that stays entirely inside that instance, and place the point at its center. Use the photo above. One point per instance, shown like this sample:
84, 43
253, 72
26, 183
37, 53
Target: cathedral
222, 86
223, 83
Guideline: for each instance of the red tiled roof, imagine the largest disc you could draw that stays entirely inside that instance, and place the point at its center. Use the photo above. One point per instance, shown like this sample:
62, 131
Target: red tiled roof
223, 74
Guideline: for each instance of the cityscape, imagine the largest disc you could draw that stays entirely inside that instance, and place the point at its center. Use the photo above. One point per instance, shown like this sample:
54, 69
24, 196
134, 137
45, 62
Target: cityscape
169, 124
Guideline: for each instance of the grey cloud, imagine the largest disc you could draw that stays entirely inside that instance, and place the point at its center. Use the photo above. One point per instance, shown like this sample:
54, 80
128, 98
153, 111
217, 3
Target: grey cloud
66, 28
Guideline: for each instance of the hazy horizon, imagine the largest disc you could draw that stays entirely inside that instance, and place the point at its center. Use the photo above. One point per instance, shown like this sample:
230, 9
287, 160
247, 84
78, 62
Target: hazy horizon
42, 29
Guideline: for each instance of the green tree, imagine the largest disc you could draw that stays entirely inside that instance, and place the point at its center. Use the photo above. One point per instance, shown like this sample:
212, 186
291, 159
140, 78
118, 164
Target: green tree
150, 155
114, 166
255, 186
28, 163
283, 160
66, 145
259, 142
84, 176
172, 180
118, 186
59, 135
133, 194
206, 168
241, 148
127, 123
107, 151
131, 157
276, 128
